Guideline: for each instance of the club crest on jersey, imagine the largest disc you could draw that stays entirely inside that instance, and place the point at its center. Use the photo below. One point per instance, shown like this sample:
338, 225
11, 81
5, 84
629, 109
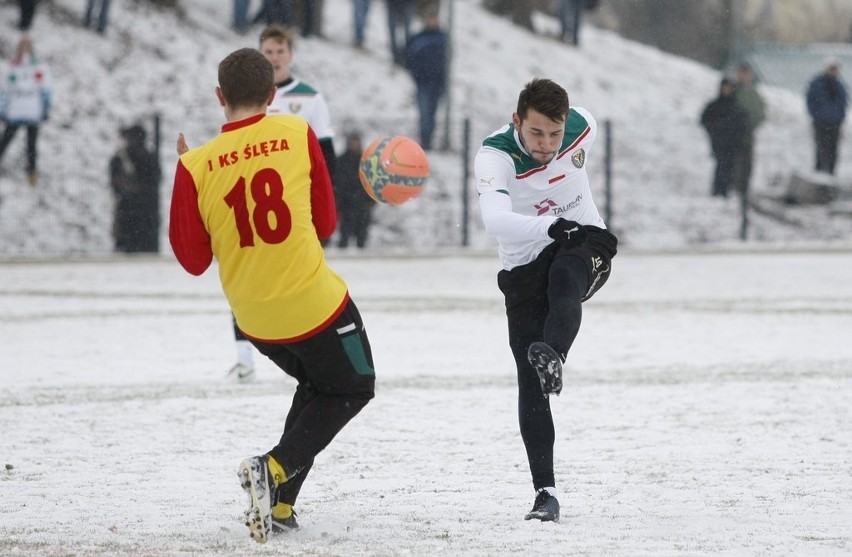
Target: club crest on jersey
295, 107
578, 158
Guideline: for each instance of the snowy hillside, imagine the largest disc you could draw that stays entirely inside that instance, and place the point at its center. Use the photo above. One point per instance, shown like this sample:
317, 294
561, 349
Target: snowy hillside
161, 62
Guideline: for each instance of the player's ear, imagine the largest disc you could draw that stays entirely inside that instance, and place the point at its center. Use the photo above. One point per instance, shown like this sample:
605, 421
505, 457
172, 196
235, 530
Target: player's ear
516, 120
271, 96
220, 96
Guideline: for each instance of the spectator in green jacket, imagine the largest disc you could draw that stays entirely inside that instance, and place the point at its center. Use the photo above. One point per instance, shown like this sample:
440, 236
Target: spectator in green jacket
752, 103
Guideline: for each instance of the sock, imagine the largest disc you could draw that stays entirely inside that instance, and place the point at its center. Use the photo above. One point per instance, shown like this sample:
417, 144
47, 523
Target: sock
244, 353
282, 511
552, 491
277, 471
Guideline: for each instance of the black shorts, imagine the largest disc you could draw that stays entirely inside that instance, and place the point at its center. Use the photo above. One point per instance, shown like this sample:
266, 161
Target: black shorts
337, 360
596, 253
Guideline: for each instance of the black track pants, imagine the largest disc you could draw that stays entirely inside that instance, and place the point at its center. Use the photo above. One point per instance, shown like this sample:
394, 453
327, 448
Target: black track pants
544, 303
334, 369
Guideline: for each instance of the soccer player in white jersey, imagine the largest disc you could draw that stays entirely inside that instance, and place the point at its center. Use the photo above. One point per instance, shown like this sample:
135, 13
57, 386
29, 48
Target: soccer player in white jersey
292, 96
555, 252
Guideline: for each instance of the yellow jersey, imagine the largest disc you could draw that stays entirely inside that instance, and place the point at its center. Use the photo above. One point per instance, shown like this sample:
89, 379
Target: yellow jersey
258, 198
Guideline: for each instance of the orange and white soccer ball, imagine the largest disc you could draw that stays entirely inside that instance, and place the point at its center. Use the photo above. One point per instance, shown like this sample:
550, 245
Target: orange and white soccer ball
394, 169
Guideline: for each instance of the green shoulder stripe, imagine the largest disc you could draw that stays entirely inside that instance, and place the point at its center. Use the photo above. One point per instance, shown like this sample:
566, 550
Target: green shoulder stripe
302, 89
574, 128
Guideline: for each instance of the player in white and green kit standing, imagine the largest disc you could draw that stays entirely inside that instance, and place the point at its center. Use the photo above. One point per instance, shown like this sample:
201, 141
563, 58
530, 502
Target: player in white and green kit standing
555, 252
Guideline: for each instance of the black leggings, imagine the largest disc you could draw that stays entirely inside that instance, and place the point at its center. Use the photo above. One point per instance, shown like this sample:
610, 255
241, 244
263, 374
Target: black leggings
544, 303
334, 369
32, 137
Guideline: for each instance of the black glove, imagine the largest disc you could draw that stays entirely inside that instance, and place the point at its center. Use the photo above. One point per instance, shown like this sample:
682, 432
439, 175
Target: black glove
568, 233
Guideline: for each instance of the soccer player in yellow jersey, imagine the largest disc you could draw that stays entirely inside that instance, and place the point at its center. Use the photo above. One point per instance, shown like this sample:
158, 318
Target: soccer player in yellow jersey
258, 198
292, 96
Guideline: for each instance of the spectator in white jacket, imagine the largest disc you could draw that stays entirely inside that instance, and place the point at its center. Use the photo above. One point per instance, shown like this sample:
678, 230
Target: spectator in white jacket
25, 101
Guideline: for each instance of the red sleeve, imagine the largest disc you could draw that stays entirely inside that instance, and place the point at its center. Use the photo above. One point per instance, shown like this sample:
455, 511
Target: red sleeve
187, 234
323, 208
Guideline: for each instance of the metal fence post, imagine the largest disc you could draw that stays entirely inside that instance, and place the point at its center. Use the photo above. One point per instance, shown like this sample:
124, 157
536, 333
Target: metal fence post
608, 170
465, 181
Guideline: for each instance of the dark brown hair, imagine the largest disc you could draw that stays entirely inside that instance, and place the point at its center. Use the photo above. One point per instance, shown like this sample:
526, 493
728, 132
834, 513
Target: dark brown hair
245, 77
545, 96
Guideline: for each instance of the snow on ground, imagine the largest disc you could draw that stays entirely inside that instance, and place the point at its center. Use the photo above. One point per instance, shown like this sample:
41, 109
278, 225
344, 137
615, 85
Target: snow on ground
706, 408
706, 411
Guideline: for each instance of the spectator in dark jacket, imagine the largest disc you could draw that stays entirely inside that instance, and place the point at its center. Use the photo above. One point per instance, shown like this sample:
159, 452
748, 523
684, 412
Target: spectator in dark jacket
727, 125
426, 59
135, 182
354, 206
827, 99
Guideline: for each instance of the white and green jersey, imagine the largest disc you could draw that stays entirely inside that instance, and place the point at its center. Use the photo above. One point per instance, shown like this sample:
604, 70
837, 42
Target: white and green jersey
520, 198
300, 99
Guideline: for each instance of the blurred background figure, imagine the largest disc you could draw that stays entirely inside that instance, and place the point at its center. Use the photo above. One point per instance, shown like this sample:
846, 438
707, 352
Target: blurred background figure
135, 174
360, 11
28, 8
354, 206
754, 106
25, 101
240, 20
827, 99
276, 12
570, 17
400, 14
97, 10
727, 125
426, 59
309, 13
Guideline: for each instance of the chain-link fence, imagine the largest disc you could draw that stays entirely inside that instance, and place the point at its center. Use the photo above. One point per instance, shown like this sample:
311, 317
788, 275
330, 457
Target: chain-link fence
69, 212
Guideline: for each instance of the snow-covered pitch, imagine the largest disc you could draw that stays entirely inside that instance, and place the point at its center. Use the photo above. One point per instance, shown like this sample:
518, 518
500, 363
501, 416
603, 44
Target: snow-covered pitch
706, 410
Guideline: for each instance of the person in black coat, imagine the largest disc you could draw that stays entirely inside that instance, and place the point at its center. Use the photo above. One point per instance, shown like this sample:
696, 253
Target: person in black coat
727, 125
354, 206
135, 181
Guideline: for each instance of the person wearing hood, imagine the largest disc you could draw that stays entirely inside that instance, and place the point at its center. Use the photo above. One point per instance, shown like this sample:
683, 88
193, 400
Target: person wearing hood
135, 182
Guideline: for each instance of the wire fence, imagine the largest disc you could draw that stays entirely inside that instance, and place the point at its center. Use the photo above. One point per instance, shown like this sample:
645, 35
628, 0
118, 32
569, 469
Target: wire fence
69, 212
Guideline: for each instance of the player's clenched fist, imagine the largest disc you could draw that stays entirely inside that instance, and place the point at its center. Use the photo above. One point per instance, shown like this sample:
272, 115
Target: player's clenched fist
568, 233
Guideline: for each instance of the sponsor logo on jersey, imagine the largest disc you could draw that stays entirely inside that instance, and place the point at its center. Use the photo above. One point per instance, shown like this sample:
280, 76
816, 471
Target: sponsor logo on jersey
550, 206
578, 159
544, 207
